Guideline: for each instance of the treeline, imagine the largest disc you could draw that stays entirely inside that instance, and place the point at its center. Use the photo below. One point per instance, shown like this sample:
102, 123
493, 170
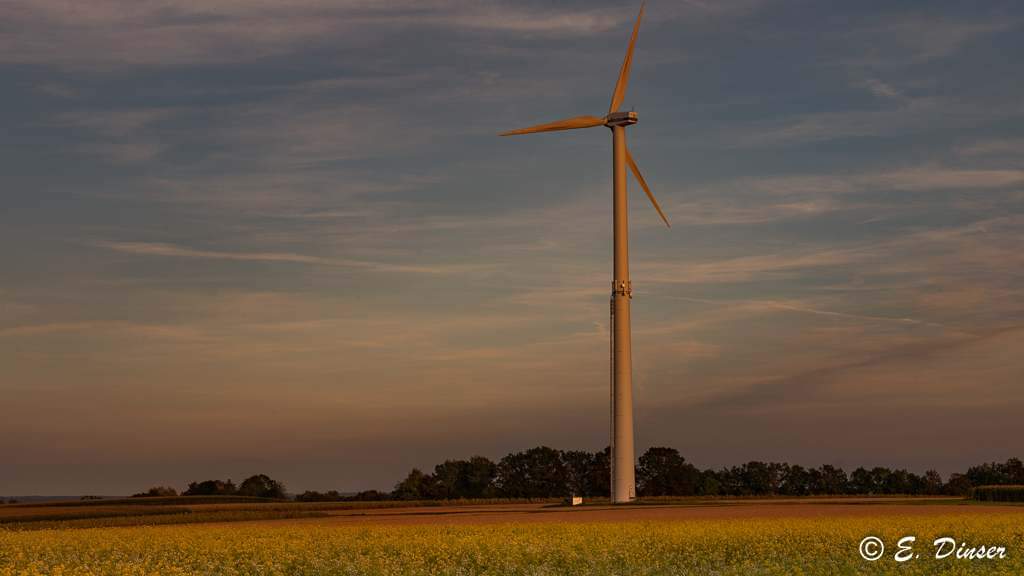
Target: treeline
545, 473
258, 485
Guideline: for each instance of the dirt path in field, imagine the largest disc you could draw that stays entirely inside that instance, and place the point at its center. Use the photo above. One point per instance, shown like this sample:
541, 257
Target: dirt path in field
499, 514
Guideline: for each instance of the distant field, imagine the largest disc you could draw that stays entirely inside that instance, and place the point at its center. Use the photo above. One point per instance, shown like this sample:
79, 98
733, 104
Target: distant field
759, 539
190, 510
197, 509
134, 512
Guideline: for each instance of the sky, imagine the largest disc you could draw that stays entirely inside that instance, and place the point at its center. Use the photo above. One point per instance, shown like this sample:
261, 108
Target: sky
243, 237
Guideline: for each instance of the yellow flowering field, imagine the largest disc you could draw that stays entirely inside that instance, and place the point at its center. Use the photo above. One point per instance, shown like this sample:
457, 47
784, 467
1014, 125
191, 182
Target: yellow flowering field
719, 547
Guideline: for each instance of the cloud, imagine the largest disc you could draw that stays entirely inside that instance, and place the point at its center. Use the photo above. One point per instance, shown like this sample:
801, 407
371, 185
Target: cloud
11, 309
171, 250
910, 116
115, 123
756, 306
751, 200
129, 329
918, 38
892, 117
295, 128
57, 90
718, 211
159, 249
109, 33
942, 178
176, 32
125, 152
293, 133
938, 371
1005, 147
747, 268
121, 136
881, 89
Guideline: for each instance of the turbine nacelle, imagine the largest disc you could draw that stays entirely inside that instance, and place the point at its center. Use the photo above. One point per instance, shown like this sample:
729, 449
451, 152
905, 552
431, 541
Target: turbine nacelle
620, 119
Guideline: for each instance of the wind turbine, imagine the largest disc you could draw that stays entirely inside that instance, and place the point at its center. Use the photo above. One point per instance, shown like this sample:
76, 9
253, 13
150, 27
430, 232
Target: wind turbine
623, 481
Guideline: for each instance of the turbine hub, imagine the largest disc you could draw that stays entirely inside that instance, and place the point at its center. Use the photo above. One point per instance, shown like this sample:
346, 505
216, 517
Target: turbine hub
620, 119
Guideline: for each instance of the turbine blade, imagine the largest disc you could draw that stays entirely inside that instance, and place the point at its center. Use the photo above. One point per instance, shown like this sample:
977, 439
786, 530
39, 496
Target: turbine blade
567, 124
620, 86
643, 184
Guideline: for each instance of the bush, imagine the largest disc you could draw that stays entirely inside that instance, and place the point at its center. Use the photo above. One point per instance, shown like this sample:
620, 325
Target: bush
370, 496
314, 496
999, 493
157, 491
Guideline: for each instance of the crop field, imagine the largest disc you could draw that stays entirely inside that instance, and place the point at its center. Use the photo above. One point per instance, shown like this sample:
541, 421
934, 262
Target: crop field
777, 539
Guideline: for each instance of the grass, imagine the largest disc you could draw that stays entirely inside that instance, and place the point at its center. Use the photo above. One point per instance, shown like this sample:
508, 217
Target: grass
720, 547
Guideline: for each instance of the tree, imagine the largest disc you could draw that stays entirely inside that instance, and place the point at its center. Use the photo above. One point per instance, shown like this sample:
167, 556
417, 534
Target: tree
537, 473
544, 472
478, 478
211, 488
831, 480
1010, 472
987, 473
796, 481
861, 482
445, 483
314, 496
368, 496
663, 472
471, 478
759, 478
917, 484
710, 484
513, 479
578, 467
416, 486
162, 491
894, 482
880, 480
1014, 471
600, 476
957, 485
932, 482
262, 486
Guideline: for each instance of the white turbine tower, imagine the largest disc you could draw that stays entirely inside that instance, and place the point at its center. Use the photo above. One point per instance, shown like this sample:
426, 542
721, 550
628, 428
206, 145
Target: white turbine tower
622, 474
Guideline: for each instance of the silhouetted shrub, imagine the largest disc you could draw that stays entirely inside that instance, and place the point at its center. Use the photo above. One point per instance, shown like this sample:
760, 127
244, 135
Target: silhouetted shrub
161, 491
314, 496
